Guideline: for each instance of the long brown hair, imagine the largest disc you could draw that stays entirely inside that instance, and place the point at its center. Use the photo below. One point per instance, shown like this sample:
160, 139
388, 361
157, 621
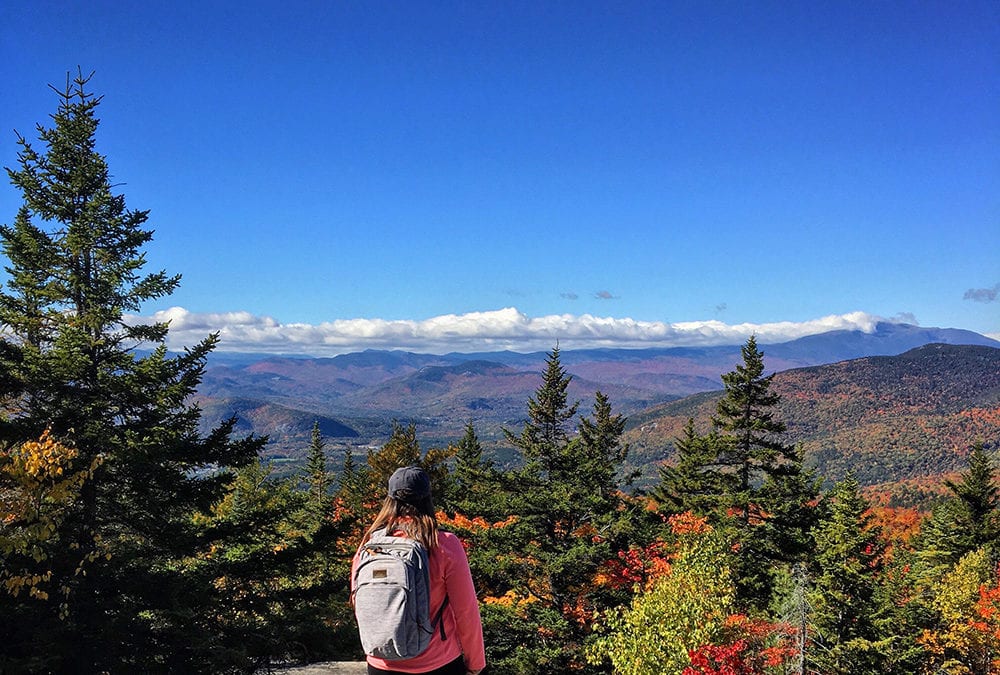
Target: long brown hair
415, 518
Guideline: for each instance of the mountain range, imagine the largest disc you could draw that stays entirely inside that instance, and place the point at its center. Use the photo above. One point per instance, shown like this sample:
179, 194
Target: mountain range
901, 422
356, 397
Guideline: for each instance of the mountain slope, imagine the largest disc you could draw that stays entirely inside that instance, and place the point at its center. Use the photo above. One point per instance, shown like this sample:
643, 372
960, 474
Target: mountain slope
365, 391
285, 425
888, 339
883, 418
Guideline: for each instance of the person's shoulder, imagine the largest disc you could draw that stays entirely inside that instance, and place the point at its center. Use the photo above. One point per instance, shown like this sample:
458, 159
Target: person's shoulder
449, 541
450, 537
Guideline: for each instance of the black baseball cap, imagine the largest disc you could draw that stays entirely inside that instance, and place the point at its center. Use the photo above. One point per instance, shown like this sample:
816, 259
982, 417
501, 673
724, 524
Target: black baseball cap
409, 484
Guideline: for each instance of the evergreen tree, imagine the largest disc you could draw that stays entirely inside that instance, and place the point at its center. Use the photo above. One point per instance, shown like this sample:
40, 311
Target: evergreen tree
602, 507
789, 496
277, 577
967, 521
469, 460
317, 476
566, 502
475, 488
601, 450
349, 470
749, 445
544, 438
68, 363
546, 486
692, 484
978, 497
762, 479
842, 597
353, 483
402, 449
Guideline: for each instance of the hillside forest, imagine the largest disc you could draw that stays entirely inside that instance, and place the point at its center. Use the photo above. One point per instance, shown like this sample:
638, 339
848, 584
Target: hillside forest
134, 541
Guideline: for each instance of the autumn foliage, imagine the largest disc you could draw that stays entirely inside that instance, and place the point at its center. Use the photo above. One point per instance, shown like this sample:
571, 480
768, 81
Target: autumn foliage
132, 540
40, 487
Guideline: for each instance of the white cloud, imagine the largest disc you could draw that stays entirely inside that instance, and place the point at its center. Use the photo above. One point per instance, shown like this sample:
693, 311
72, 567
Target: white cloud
501, 329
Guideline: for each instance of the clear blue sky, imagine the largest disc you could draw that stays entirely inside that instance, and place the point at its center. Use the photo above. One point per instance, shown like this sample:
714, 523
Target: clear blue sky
621, 170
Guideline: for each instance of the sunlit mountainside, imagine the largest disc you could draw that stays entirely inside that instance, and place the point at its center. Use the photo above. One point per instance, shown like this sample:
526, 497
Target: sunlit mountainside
902, 420
856, 401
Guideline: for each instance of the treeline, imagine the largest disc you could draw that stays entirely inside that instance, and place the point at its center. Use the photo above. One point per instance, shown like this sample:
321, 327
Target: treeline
132, 543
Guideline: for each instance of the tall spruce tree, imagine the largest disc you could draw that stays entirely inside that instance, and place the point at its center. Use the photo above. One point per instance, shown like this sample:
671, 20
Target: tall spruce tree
565, 499
600, 457
545, 488
692, 483
475, 487
601, 450
969, 519
544, 438
69, 363
978, 496
353, 489
846, 565
317, 475
765, 491
749, 434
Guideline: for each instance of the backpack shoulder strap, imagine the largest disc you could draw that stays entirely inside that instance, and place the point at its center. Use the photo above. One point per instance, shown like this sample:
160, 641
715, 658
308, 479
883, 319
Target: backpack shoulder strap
437, 622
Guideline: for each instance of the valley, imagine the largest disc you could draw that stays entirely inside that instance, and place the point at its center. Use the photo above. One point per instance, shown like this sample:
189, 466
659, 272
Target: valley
884, 405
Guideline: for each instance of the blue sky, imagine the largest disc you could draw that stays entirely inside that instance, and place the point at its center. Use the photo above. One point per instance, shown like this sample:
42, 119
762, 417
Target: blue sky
329, 176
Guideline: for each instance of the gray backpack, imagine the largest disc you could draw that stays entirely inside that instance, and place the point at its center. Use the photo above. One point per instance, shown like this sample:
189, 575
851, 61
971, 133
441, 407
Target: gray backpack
391, 593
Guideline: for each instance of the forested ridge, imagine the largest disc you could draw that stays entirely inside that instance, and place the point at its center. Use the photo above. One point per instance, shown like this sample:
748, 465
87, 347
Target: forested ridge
891, 421
134, 541
356, 396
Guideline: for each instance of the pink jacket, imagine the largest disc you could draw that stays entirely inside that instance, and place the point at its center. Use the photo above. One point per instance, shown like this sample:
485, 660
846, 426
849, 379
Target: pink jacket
463, 628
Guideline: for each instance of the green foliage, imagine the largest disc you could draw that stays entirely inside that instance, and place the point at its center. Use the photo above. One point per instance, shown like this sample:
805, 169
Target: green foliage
897, 617
747, 445
682, 610
403, 449
601, 451
549, 414
318, 478
763, 481
692, 484
540, 532
353, 499
979, 496
68, 365
967, 521
276, 579
525, 639
475, 482
567, 488
845, 565
741, 476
